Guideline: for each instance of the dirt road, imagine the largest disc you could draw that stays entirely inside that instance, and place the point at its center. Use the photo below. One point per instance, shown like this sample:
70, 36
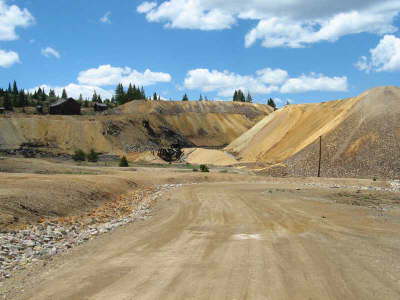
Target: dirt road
237, 241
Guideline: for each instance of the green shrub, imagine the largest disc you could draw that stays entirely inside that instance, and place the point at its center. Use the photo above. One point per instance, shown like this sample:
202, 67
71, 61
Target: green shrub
123, 162
204, 169
93, 156
79, 155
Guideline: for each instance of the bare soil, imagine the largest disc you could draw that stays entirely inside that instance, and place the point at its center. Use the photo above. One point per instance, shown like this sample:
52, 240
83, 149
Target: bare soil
231, 236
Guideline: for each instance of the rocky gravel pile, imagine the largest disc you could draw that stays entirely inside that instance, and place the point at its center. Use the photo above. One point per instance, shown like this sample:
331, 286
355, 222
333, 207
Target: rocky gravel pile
38, 242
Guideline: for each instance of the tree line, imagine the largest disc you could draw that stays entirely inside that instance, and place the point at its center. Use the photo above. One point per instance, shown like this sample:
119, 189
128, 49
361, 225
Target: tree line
15, 97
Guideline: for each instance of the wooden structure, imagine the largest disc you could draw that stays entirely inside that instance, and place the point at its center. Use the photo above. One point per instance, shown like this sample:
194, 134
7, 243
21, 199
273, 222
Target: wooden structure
100, 106
65, 107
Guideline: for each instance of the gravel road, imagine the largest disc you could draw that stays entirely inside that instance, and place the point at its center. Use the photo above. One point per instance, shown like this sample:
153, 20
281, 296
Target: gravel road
235, 241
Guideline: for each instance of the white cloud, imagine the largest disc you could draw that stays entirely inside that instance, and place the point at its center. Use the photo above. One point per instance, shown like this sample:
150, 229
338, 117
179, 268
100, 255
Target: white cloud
188, 14
265, 81
11, 17
225, 83
146, 6
385, 57
106, 18
288, 23
74, 90
107, 75
314, 82
48, 52
8, 58
273, 77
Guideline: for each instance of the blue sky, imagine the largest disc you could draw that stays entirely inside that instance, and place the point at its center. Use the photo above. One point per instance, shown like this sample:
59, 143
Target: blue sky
302, 50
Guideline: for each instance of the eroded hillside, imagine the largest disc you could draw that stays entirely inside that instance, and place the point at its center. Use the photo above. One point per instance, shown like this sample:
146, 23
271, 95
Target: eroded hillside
135, 126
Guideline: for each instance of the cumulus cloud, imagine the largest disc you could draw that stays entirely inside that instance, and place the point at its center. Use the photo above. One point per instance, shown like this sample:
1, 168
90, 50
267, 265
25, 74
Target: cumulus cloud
106, 75
265, 81
74, 90
314, 82
8, 58
48, 52
97, 79
11, 17
225, 83
146, 6
189, 14
106, 18
294, 23
385, 57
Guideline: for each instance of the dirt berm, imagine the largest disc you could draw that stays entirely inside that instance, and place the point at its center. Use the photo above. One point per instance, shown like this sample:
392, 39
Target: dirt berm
134, 127
360, 138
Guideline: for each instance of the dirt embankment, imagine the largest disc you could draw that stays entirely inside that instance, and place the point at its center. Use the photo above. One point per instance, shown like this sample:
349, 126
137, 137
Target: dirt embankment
134, 127
360, 138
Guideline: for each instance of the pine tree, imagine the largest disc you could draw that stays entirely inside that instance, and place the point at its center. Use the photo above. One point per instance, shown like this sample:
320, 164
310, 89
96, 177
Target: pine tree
7, 102
130, 93
249, 98
185, 98
9, 90
241, 96
64, 94
80, 98
94, 97
21, 101
120, 94
201, 97
43, 96
235, 96
155, 96
137, 95
272, 103
15, 88
123, 162
142, 93
159, 98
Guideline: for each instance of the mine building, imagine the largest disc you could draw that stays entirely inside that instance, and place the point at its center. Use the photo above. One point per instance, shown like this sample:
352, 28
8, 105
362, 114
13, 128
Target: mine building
65, 107
100, 106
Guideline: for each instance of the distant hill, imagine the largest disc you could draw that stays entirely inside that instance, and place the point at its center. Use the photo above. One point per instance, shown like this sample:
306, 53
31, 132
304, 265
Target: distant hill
360, 138
135, 126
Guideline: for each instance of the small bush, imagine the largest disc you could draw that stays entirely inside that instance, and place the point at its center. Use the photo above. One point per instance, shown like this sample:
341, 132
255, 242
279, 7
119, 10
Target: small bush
123, 162
195, 170
204, 169
79, 155
374, 179
93, 156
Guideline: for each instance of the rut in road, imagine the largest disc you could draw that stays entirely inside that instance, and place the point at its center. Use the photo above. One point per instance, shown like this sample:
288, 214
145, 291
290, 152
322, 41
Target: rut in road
236, 241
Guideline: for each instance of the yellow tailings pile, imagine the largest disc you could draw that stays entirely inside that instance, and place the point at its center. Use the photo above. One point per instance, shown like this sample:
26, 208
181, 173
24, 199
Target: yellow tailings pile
360, 137
288, 130
137, 126
208, 156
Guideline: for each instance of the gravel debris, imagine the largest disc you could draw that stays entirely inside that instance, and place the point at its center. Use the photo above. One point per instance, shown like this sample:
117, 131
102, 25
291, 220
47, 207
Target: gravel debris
42, 241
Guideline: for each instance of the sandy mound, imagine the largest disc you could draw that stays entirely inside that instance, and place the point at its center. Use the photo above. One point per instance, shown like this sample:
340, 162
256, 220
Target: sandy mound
360, 137
209, 157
